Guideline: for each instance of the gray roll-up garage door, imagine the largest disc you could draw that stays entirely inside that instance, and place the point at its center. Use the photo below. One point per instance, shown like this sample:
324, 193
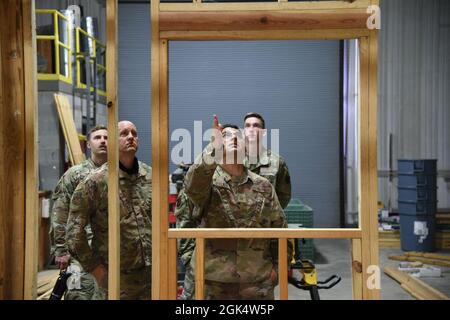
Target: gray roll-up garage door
293, 84
134, 72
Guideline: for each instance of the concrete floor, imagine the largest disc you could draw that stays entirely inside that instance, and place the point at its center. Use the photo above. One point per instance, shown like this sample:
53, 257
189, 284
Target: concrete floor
333, 257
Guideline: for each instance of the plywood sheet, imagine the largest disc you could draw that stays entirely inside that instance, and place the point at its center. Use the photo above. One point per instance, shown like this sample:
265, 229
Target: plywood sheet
65, 114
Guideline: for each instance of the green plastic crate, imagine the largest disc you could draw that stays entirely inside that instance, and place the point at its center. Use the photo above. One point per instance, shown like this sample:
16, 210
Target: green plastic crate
299, 213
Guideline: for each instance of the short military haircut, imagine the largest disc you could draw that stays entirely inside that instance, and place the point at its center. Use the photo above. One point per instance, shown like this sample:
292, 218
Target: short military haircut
228, 125
255, 115
96, 128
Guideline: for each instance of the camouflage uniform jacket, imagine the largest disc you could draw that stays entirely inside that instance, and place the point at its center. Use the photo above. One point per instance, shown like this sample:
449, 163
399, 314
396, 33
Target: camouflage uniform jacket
270, 166
273, 167
188, 216
90, 205
61, 202
250, 202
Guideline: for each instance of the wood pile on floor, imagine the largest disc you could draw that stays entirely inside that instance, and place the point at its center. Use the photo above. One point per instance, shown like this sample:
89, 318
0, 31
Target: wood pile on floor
443, 219
46, 282
391, 238
414, 286
443, 239
428, 258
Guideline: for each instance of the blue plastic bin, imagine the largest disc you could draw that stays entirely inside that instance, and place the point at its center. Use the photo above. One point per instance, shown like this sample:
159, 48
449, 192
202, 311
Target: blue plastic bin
416, 194
428, 167
417, 180
419, 207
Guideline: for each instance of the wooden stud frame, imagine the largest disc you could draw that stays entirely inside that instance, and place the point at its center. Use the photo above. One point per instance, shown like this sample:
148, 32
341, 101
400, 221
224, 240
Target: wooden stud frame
18, 160
281, 20
22, 96
19, 163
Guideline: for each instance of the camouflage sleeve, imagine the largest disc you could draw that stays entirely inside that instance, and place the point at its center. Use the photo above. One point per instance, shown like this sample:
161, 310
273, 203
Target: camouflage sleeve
283, 184
185, 219
198, 180
61, 202
81, 207
278, 220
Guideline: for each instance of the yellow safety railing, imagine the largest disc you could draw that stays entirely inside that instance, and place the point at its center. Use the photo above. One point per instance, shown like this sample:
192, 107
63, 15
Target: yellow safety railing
57, 45
100, 67
55, 38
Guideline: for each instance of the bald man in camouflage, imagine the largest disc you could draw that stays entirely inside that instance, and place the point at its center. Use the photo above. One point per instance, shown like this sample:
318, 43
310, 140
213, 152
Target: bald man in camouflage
228, 195
90, 204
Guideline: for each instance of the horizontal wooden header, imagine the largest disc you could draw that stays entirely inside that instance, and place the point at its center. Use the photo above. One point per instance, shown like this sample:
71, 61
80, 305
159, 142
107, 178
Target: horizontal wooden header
262, 20
265, 233
257, 6
328, 34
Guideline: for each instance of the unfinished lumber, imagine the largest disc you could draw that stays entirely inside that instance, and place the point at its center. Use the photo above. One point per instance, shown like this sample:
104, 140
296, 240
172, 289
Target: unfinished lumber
199, 268
428, 255
283, 268
13, 156
357, 277
416, 286
420, 259
69, 129
113, 150
46, 281
2, 198
322, 20
46, 295
32, 160
412, 293
256, 20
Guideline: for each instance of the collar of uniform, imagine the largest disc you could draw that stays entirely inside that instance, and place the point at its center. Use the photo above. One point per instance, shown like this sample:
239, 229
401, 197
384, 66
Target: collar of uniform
224, 177
93, 164
133, 170
144, 170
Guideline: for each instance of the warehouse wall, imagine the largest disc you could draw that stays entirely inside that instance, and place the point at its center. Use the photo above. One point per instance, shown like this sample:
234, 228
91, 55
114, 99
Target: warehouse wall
92, 8
294, 84
134, 72
51, 139
414, 89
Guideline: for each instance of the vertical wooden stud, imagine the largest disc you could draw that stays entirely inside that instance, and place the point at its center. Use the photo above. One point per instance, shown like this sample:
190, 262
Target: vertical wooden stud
364, 175
373, 165
113, 152
173, 273
356, 271
283, 268
31, 152
199, 268
12, 157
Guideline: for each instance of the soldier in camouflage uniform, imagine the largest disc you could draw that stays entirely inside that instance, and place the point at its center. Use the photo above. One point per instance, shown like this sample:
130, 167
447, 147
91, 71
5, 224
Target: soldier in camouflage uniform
90, 204
97, 139
231, 196
188, 216
263, 161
